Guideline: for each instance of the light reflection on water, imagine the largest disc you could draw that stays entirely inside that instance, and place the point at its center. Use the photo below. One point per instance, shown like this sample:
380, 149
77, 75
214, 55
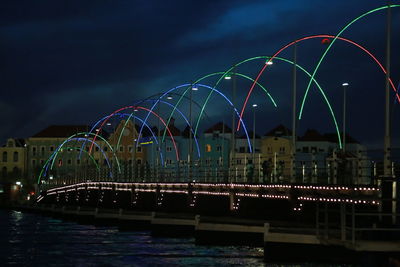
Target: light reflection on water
33, 240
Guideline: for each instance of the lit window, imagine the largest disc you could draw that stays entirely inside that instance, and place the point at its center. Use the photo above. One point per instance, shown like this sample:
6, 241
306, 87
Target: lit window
208, 148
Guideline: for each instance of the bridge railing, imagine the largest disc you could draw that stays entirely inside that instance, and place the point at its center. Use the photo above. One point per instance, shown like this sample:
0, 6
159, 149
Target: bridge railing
310, 169
348, 224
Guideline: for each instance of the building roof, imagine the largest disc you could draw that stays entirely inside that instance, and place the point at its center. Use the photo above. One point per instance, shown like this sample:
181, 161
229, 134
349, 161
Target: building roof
279, 130
19, 142
219, 127
57, 131
172, 128
312, 135
332, 137
250, 133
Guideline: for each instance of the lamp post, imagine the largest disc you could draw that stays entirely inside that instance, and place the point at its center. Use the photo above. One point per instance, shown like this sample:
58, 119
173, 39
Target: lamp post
254, 137
344, 85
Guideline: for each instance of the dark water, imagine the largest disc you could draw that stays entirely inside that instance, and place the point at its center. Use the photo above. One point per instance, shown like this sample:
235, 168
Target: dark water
34, 240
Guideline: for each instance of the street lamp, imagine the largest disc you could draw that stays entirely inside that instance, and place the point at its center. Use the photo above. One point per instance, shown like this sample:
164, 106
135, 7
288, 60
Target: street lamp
254, 128
254, 138
227, 77
344, 85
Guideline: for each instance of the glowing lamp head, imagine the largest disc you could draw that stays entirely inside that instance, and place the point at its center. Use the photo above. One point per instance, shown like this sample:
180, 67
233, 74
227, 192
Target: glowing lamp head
345, 84
18, 183
169, 97
227, 77
254, 105
269, 62
194, 87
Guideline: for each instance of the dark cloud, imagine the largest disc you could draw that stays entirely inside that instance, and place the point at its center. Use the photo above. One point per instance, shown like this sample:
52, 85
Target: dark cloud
74, 61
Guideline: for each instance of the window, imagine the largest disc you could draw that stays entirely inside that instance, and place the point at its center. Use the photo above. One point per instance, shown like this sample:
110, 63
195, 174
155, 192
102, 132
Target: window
313, 149
78, 162
208, 161
51, 148
208, 148
139, 149
121, 149
5, 156
219, 148
60, 163
242, 149
130, 148
305, 149
33, 162
139, 161
15, 156
41, 162
104, 162
97, 149
169, 148
42, 149
239, 161
105, 149
34, 151
168, 161
4, 172
282, 149
130, 162
249, 161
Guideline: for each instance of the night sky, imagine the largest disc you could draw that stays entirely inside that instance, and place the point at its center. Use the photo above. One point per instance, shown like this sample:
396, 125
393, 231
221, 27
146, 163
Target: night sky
73, 62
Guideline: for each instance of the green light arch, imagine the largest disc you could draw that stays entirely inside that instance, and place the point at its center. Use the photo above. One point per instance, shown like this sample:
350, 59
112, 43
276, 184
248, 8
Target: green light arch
329, 47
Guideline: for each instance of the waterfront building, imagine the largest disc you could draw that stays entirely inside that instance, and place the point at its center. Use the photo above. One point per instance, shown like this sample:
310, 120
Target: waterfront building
67, 162
13, 161
276, 150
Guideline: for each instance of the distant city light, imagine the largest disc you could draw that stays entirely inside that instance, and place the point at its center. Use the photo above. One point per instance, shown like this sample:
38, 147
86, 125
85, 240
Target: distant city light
18, 183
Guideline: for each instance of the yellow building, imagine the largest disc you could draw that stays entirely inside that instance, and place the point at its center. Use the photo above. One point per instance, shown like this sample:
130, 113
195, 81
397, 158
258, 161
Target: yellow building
124, 139
13, 160
276, 151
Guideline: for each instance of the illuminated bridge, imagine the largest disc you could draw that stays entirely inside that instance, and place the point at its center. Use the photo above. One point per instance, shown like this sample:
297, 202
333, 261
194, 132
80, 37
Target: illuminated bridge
135, 161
